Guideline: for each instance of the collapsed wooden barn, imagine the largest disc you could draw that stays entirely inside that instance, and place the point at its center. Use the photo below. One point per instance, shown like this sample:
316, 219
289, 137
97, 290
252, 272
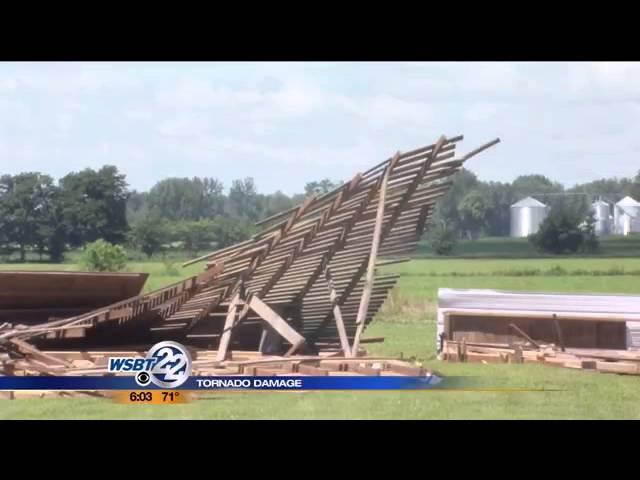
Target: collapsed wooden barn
304, 284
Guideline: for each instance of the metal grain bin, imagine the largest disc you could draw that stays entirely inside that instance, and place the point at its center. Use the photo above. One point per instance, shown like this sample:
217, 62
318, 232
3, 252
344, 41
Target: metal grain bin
526, 216
602, 213
626, 216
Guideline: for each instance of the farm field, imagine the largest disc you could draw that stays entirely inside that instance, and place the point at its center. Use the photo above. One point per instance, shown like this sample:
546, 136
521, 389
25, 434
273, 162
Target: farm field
407, 322
504, 247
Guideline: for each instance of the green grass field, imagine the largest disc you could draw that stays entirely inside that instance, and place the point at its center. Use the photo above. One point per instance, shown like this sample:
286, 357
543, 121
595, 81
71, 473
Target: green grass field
501, 247
407, 321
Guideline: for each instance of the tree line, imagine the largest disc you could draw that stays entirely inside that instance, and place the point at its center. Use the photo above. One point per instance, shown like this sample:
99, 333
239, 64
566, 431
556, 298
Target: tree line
40, 215
474, 208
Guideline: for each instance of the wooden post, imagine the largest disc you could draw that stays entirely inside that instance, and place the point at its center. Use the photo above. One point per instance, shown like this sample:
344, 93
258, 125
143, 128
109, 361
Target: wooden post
368, 284
556, 324
225, 339
337, 313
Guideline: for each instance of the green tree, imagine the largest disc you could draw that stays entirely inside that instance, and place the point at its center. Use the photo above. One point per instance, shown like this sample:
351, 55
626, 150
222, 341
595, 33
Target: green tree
534, 185
95, 205
559, 233
243, 201
149, 234
321, 187
442, 240
102, 256
137, 206
24, 201
228, 231
187, 198
196, 235
51, 230
474, 211
275, 203
446, 212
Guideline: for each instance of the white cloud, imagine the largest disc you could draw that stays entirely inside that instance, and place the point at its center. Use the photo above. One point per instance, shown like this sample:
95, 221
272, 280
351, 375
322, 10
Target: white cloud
480, 112
561, 119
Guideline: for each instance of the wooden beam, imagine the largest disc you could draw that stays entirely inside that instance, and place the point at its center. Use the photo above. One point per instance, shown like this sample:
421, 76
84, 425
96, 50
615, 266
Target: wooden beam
228, 326
342, 332
373, 257
276, 321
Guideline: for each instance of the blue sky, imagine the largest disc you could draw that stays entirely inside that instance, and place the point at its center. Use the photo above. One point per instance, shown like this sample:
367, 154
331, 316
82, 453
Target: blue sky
289, 123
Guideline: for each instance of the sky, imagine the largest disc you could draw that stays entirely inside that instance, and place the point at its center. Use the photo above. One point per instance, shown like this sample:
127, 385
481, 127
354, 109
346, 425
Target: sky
285, 124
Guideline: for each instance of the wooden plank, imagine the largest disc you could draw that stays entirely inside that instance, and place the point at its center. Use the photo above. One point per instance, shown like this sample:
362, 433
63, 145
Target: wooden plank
363, 370
227, 331
276, 321
627, 368
373, 258
342, 332
311, 370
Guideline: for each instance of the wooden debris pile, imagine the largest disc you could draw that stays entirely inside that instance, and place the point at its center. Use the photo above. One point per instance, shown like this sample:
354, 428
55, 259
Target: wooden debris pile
626, 362
306, 283
20, 358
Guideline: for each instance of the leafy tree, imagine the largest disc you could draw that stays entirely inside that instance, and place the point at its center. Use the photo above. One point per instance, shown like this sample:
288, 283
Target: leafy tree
559, 233
446, 212
228, 231
528, 185
137, 206
274, 203
474, 211
442, 240
321, 187
51, 231
196, 235
187, 199
95, 205
149, 234
243, 201
24, 201
102, 256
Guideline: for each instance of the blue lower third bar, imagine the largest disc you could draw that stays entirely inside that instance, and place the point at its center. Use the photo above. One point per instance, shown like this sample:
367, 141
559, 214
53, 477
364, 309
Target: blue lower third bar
69, 383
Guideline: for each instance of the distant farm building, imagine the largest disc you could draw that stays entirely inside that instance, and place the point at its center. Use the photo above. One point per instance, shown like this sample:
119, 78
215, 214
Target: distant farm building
526, 216
626, 216
602, 214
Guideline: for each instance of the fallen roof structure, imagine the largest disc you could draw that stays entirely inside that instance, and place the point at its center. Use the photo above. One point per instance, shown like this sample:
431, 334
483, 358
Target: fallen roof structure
305, 283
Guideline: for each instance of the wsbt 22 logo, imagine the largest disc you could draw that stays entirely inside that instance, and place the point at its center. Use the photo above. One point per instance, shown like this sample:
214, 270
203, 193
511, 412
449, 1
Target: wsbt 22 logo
167, 365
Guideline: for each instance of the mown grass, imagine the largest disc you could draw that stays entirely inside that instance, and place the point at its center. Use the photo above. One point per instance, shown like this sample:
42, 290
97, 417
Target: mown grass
505, 247
407, 321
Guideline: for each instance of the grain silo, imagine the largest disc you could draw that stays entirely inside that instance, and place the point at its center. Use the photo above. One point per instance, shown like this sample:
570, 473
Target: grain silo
626, 216
526, 216
602, 213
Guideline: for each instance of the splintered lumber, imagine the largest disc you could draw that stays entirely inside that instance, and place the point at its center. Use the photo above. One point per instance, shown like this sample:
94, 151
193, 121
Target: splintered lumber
606, 361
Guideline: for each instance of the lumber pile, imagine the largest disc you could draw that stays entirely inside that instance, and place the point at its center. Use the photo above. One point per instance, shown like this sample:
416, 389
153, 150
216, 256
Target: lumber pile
20, 358
625, 362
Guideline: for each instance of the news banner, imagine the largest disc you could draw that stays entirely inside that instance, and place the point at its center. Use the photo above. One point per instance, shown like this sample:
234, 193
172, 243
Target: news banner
164, 377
